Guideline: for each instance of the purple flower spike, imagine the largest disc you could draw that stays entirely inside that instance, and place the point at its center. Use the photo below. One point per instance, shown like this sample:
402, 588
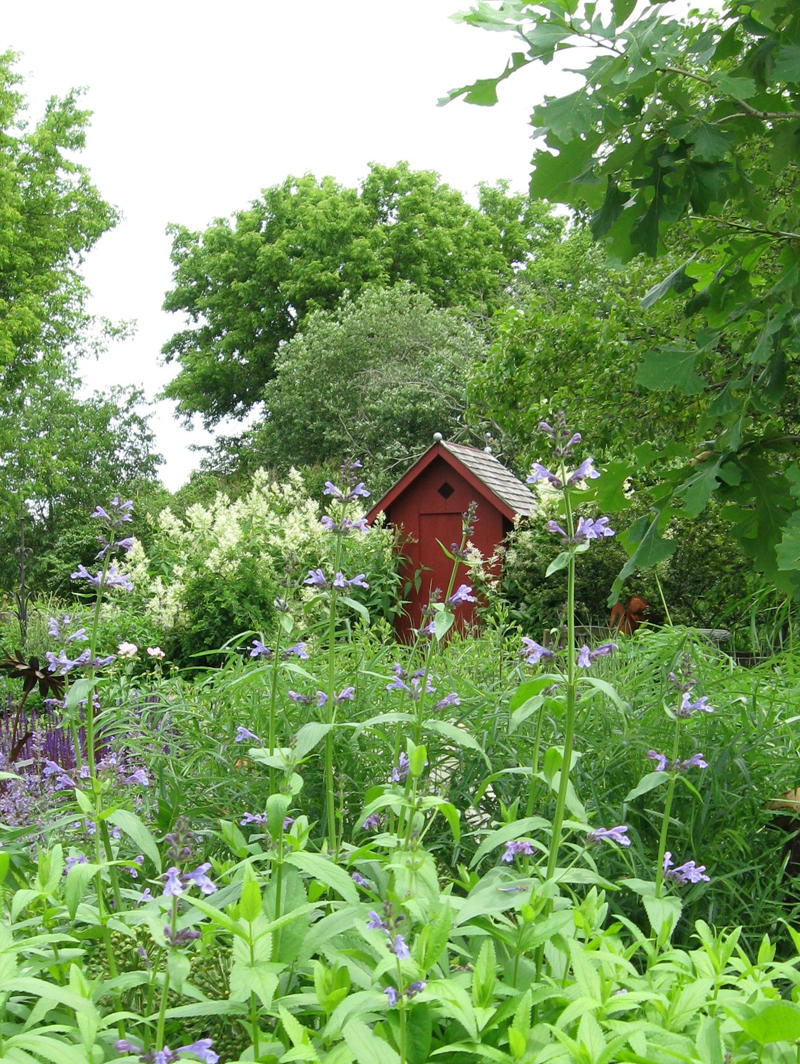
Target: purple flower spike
358, 581
322, 698
539, 472
415, 988
375, 922
372, 823
200, 879
589, 528
687, 706
328, 523
534, 652
619, 834
688, 872
584, 658
173, 887
316, 578
359, 880
295, 697
298, 650
201, 1048
660, 758
260, 650
584, 471
244, 733
461, 595
555, 527
331, 489
401, 769
391, 995
696, 761
449, 700
516, 847
400, 949
100, 512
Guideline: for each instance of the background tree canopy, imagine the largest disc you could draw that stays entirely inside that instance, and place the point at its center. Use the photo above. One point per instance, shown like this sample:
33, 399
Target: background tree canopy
247, 286
694, 119
375, 377
58, 453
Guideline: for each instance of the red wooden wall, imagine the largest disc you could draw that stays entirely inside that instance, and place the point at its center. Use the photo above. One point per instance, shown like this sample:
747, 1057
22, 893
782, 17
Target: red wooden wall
431, 509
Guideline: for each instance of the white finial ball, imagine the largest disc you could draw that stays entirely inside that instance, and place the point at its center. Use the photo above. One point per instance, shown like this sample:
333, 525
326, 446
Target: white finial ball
437, 437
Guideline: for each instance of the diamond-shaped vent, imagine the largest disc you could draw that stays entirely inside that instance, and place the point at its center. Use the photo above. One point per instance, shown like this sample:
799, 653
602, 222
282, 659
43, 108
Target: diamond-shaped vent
446, 490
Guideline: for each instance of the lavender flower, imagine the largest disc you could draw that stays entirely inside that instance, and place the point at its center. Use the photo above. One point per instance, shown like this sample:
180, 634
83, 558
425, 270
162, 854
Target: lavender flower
391, 995
586, 656
463, 594
539, 472
375, 922
173, 886
619, 834
139, 777
243, 733
687, 706
200, 879
260, 650
660, 758
555, 527
70, 862
585, 470
316, 578
688, 872
298, 650
295, 697
63, 664
253, 818
534, 652
695, 761
514, 848
112, 578
449, 700
415, 988
399, 948
201, 1048
347, 694
401, 769
182, 937
592, 528
360, 881
372, 823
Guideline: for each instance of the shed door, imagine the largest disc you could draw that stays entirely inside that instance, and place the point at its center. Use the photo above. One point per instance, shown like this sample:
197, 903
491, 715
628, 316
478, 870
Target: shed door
447, 529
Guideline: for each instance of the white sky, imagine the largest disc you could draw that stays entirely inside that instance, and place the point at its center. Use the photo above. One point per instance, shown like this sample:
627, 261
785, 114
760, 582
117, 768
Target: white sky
198, 106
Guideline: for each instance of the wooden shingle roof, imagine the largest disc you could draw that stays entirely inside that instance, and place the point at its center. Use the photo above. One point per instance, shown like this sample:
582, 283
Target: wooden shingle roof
516, 495
512, 497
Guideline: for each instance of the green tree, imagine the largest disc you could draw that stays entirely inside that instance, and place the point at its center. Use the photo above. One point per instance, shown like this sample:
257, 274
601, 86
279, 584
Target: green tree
247, 286
375, 378
698, 119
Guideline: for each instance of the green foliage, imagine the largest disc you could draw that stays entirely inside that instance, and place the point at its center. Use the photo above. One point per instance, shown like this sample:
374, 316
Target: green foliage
376, 376
248, 286
694, 118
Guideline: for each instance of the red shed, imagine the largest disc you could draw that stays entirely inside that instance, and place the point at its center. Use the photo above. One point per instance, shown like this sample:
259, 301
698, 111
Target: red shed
427, 503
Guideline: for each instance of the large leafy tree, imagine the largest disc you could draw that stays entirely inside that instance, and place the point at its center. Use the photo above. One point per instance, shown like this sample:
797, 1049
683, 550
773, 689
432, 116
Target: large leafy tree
690, 121
58, 453
248, 285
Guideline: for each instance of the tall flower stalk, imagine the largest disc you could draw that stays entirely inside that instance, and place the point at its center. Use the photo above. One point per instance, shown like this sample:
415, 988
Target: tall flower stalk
340, 525
575, 538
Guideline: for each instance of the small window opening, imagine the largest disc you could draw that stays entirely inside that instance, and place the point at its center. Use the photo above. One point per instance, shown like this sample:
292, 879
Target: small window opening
446, 490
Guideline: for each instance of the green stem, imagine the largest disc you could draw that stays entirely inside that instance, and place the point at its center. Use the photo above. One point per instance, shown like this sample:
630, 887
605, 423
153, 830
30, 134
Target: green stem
537, 745
330, 799
662, 839
569, 727
162, 1011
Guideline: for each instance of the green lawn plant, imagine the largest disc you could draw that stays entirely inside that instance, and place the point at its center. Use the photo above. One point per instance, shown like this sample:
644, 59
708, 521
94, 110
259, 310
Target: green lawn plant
331, 847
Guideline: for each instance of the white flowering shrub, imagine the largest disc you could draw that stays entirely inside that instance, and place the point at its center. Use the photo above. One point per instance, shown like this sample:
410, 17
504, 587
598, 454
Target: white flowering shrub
207, 577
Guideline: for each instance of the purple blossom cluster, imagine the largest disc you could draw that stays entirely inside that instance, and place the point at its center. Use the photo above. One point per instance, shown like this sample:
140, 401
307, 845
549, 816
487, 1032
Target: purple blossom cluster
663, 763
345, 525
688, 872
347, 694
202, 1048
587, 529
316, 578
393, 995
60, 629
175, 882
260, 650
413, 688
401, 769
618, 834
389, 924
515, 848
112, 578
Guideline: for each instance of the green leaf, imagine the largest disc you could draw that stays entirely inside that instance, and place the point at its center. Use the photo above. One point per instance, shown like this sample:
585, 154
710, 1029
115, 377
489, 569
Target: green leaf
436, 941
507, 832
442, 623
778, 1022
250, 905
79, 691
647, 783
670, 367
788, 550
460, 736
132, 826
677, 281
309, 736
77, 881
359, 607
559, 562
613, 205
650, 549
419, 1033
366, 1046
663, 913
318, 867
